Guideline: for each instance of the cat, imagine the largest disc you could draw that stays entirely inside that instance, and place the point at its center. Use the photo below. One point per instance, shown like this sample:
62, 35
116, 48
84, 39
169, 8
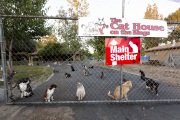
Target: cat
91, 67
72, 68
80, 93
30, 64
101, 25
125, 88
134, 47
68, 75
102, 75
85, 67
23, 85
10, 77
55, 71
48, 96
150, 83
27, 92
86, 72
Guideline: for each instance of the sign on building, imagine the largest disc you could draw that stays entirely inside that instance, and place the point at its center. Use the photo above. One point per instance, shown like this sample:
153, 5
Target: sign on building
122, 51
114, 26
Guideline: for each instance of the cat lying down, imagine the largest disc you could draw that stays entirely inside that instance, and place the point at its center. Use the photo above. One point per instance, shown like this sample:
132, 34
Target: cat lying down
125, 88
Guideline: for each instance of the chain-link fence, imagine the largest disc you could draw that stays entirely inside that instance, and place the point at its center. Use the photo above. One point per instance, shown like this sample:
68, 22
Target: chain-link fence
39, 58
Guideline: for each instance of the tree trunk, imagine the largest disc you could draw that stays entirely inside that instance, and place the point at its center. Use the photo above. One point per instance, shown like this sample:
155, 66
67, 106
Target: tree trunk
10, 56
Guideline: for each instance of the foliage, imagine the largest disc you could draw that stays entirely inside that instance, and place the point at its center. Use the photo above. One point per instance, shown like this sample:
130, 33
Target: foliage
98, 43
40, 43
22, 31
51, 49
152, 13
69, 28
80, 7
175, 34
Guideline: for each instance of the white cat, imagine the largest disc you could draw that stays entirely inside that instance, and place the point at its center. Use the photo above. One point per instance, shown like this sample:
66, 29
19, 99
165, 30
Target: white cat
80, 93
134, 47
48, 96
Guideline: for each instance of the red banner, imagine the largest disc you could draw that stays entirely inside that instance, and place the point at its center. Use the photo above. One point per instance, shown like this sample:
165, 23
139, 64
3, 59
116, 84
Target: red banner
122, 51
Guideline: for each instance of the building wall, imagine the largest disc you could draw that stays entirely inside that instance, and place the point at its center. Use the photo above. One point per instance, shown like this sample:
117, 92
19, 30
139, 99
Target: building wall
161, 55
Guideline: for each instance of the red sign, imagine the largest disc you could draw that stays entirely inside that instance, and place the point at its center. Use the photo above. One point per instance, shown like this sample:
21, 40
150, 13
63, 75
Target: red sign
122, 51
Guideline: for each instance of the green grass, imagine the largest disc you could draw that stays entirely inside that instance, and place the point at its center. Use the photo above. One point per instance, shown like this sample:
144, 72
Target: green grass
38, 73
1, 83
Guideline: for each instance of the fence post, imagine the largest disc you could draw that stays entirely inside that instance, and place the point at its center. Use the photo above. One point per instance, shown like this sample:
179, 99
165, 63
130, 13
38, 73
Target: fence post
121, 66
3, 59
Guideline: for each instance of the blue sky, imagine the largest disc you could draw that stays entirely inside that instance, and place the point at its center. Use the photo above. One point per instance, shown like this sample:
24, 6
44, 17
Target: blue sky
133, 8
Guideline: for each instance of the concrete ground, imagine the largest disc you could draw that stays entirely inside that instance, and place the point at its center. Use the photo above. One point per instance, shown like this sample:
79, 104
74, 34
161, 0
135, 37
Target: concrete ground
148, 111
89, 111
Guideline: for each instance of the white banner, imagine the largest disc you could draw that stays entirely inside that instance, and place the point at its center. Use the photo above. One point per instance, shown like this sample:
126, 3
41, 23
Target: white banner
121, 27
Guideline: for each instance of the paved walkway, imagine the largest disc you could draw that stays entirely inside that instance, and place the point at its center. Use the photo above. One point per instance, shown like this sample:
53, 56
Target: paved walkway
147, 111
88, 111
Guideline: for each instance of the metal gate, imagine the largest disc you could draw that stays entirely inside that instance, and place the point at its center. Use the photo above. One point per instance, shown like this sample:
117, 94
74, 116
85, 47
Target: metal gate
47, 55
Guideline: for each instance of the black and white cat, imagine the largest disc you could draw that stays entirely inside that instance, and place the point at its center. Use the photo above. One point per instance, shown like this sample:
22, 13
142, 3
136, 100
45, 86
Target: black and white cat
68, 75
85, 67
23, 85
48, 96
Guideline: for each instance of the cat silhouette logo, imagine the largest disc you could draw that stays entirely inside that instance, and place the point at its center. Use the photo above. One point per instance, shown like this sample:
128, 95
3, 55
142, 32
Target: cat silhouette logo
122, 51
101, 25
94, 28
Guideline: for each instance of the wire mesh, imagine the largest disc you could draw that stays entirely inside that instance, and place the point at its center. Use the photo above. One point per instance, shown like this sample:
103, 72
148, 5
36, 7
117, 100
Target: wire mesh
44, 57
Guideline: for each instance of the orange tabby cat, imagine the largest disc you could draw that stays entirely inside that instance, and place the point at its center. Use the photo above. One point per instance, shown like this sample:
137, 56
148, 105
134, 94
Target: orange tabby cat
125, 88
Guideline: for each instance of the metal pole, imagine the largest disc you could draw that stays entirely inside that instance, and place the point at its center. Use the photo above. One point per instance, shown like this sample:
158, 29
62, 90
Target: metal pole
121, 66
3, 59
123, 8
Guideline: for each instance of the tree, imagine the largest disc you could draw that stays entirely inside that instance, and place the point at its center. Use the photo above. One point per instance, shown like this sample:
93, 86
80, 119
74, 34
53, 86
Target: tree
152, 13
51, 49
19, 33
80, 6
69, 28
98, 43
175, 34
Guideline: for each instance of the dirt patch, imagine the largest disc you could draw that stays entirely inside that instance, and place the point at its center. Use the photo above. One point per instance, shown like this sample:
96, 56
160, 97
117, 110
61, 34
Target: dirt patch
169, 75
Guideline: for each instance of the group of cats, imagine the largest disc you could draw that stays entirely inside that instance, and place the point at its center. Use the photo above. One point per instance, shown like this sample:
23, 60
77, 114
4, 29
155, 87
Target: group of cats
25, 88
23, 85
126, 86
85, 71
80, 93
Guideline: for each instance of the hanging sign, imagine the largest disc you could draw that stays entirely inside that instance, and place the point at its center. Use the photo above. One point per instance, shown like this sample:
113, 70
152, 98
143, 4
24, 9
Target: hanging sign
122, 51
114, 26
